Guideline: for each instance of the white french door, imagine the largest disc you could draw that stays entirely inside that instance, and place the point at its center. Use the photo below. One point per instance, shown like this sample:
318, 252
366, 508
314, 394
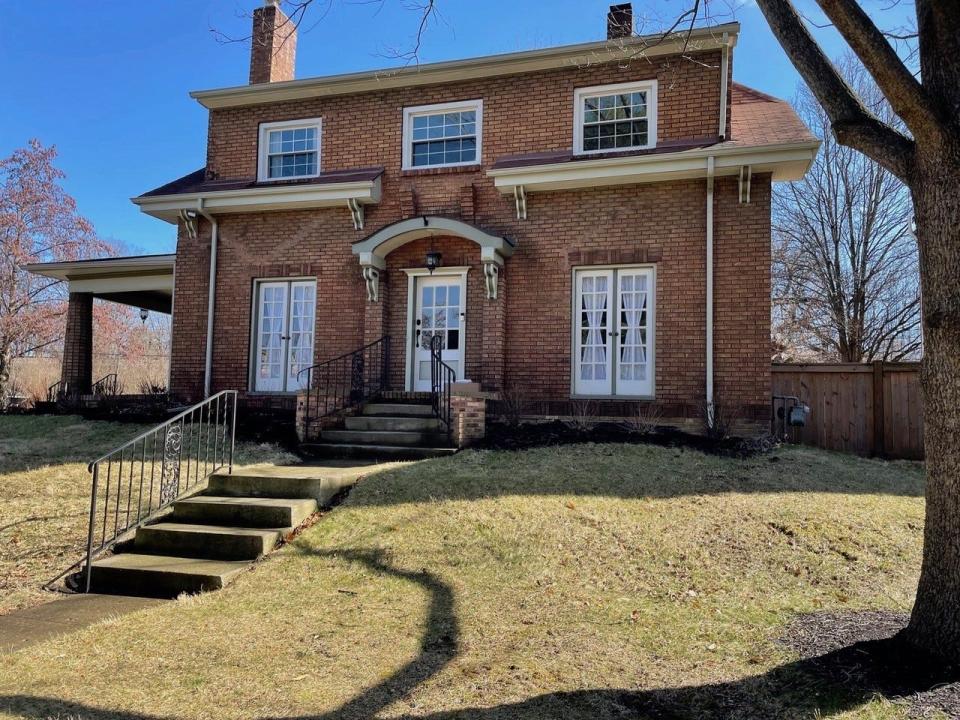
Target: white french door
284, 334
613, 332
439, 312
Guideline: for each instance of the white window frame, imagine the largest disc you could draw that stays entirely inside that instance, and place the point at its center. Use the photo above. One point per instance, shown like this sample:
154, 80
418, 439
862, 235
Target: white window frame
411, 112
648, 86
615, 333
263, 146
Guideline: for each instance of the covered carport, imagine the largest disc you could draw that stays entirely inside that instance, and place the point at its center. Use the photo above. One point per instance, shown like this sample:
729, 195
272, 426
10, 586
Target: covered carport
144, 281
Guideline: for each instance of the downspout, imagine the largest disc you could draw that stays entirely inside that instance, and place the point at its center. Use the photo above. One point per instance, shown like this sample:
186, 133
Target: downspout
709, 318
724, 81
211, 293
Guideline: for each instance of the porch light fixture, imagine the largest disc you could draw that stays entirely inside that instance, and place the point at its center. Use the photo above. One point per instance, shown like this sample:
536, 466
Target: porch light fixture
143, 315
434, 260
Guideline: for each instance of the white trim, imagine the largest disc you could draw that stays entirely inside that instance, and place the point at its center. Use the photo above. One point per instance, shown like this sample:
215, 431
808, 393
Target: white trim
412, 275
647, 86
623, 50
416, 111
135, 265
259, 199
651, 324
263, 146
785, 162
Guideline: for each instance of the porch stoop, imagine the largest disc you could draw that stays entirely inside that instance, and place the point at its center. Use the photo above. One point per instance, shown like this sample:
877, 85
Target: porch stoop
388, 429
206, 540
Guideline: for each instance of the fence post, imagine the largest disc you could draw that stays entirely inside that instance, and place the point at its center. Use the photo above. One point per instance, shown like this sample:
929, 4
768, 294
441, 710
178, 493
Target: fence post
879, 419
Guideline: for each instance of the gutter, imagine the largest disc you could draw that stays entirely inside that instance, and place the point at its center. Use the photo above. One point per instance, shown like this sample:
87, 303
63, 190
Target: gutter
724, 81
709, 318
211, 295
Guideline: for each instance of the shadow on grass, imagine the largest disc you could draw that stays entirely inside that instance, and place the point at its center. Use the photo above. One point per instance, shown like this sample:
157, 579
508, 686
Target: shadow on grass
635, 471
822, 686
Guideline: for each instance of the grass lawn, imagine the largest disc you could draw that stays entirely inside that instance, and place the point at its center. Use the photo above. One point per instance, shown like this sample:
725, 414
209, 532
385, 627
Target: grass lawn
589, 581
45, 495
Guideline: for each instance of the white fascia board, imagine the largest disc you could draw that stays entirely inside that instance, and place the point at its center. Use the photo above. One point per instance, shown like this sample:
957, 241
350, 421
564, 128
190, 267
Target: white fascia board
572, 56
128, 283
259, 199
132, 266
785, 162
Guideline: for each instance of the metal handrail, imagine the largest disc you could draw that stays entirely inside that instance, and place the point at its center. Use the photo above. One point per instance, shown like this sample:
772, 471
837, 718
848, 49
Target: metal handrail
345, 381
442, 378
193, 445
57, 390
107, 385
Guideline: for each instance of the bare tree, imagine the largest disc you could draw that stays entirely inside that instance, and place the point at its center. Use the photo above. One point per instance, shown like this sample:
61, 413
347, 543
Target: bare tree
845, 272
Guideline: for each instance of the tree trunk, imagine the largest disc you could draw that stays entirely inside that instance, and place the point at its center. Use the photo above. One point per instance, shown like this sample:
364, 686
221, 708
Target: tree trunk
935, 622
4, 378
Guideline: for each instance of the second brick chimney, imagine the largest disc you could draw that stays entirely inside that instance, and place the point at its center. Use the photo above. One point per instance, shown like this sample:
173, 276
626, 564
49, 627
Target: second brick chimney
273, 51
620, 21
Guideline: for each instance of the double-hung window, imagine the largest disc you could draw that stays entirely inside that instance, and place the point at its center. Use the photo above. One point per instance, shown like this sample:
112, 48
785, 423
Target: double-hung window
614, 118
289, 150
447, 135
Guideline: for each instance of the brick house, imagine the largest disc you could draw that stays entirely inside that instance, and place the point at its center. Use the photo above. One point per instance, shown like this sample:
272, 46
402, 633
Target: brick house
596, 218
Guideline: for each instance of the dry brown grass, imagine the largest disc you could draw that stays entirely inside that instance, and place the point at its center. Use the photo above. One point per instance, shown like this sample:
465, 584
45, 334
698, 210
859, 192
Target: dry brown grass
32, 376
45, 495
589, 581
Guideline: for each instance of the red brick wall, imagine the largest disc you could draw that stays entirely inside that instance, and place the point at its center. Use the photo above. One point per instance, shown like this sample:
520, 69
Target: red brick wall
526, 341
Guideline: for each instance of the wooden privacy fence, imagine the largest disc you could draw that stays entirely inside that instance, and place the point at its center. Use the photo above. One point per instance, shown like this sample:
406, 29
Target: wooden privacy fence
873, 409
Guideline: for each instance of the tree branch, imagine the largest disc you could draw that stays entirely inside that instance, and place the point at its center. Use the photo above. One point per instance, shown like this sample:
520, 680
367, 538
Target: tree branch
851, 122
906, 95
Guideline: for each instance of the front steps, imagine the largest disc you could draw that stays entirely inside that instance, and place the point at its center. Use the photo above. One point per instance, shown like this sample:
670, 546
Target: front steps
385, 430
206, 540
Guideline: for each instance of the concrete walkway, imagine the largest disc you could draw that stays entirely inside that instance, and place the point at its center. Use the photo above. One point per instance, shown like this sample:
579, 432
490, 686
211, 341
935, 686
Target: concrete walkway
34, 625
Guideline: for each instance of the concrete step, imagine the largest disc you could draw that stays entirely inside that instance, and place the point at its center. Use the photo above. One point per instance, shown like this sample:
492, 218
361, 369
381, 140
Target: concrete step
387, 423
249, 512
240, 484
383, 437
373, 452
161, 575
212, 542
398, 409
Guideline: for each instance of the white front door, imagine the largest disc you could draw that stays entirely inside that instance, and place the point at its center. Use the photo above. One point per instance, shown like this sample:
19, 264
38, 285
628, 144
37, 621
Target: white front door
284, 334
439, 312
613, 332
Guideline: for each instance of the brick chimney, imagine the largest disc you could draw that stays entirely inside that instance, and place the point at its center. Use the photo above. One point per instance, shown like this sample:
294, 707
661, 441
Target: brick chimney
273, 51
620, 21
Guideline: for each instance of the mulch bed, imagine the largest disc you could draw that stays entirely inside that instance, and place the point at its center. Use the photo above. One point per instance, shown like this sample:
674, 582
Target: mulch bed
501, 436
862, 652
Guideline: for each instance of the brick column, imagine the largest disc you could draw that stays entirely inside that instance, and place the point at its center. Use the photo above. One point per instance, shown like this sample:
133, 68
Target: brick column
468, 406
77, 369
494, 337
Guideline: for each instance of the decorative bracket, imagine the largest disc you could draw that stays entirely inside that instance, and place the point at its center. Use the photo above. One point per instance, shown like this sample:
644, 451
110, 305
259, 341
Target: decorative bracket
746, 174
492, 262
520, 197
356, 213
371, 276
189, 219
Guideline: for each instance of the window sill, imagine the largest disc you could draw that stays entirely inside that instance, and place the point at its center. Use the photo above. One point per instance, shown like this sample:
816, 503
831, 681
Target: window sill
453, 170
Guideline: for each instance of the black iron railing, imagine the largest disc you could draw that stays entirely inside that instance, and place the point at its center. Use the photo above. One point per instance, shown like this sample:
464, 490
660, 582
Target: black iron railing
58, 390
107, 385
442, 378
134, 482
345, 381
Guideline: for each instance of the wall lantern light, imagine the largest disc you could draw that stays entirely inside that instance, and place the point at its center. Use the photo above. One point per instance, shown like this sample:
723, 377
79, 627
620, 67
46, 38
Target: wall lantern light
434, 260
143, 315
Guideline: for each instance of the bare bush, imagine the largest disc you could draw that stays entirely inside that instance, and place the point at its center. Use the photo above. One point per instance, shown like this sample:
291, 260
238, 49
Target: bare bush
513, 402
718, 420
583, 415
644, 421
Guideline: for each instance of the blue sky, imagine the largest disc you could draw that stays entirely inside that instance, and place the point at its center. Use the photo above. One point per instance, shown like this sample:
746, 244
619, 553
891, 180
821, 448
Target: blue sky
106, 81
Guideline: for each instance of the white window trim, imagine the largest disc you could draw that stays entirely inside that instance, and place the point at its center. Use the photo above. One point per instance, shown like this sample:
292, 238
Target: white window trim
263, 146
650, 86
410, 112
574, 329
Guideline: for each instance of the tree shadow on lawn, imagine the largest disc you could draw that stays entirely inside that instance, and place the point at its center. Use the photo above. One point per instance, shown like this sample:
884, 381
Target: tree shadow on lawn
635, 471
820, 686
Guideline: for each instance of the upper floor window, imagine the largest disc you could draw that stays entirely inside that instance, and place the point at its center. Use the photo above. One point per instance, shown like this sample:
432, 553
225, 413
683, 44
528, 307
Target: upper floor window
446, 135
289, 150
615, 117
